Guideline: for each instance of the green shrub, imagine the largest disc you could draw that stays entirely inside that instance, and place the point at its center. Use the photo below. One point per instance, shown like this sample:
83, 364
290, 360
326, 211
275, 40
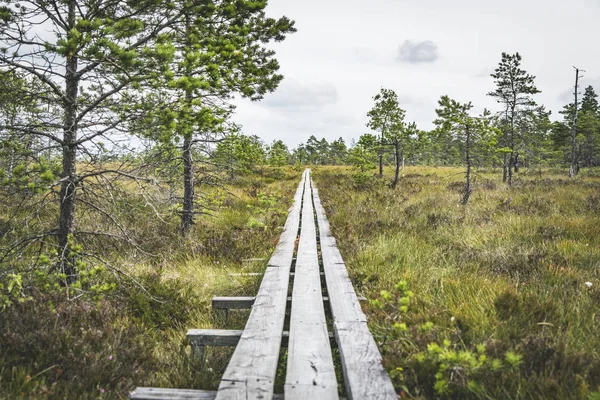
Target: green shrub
53, 347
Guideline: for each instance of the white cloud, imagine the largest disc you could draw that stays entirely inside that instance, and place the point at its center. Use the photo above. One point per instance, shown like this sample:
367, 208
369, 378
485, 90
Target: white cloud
418, 52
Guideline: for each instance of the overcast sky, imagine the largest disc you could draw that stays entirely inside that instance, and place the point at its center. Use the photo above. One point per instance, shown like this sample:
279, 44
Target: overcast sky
346, 50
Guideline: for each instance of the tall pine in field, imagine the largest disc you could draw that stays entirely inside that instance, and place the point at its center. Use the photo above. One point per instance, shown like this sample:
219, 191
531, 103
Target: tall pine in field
587, 132
514, 90
474, 135
220, 52
588, 129
92, 57
387, 117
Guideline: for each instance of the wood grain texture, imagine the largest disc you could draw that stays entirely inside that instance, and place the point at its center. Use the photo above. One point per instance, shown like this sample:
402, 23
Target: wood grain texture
364, 375
145, 393
251, 371
310, 372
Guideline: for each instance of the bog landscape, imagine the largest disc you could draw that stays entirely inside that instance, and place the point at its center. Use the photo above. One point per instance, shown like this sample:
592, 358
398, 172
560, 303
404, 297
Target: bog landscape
151, 247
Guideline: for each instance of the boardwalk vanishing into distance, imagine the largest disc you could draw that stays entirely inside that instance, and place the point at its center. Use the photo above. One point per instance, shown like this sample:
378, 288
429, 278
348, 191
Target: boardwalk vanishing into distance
307, 264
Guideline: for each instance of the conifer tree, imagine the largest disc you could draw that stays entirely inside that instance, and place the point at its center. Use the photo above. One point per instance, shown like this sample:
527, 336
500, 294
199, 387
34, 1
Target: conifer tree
90, 60
475, 134
514, 90
386, 117
220, 52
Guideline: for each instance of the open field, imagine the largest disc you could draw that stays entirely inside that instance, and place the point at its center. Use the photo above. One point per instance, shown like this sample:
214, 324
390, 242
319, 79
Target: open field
505, 292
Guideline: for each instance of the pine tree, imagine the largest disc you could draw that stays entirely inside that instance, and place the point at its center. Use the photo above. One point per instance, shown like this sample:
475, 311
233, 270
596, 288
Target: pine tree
387, 117
92, 59
514, 90
588, 127
475, 134
338, 151
278, 154
384, 114
220, 52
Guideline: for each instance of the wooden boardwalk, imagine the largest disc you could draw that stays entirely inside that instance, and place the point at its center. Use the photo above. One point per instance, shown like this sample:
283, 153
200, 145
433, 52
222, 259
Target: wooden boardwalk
320, 283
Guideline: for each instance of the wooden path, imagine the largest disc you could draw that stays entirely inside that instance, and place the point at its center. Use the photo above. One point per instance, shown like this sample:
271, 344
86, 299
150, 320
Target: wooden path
319, 282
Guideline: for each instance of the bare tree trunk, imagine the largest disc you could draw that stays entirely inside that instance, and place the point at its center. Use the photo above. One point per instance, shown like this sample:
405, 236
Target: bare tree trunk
511, 158
468, 189
69, 172
511, 161
397, 157
187, 215
505, 140
572, 168
381, 156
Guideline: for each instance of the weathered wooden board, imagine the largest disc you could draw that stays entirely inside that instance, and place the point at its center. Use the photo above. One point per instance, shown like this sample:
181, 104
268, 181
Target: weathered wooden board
232, 303
245, 274
310, 372
143, 393
251, 371
213, 337
222, 337
244, 303
364, 375
146, 393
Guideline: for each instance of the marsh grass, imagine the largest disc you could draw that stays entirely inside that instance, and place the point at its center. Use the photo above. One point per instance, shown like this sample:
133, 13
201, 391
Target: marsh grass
508, 272
54, 347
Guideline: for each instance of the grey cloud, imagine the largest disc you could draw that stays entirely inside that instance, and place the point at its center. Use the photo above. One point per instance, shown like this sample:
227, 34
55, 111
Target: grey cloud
293, 94
418, 52
566, 96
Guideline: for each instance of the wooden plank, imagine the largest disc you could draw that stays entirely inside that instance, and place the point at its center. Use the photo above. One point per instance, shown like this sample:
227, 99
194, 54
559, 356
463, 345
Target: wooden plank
251, 371
246, 274
257, 274
220, 337
146, 393
213, 337
244, 303
310, 371
232, 303
364, 375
